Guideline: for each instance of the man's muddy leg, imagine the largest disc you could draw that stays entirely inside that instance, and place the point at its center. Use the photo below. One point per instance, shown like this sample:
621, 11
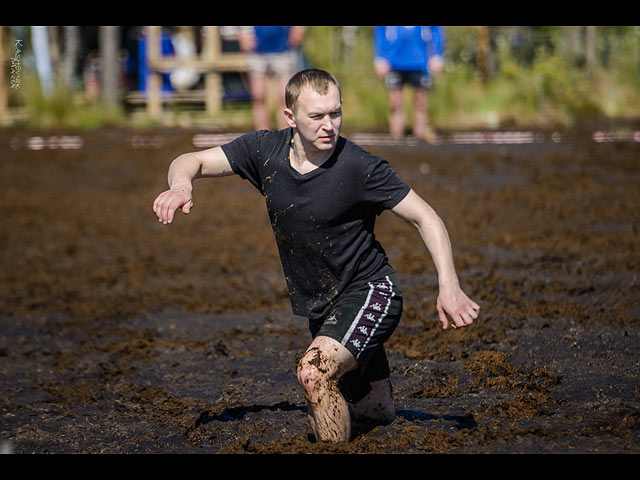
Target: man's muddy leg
319, 370
377, 407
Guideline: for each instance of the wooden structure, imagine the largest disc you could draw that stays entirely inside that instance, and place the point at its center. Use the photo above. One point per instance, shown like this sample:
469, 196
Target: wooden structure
212, 62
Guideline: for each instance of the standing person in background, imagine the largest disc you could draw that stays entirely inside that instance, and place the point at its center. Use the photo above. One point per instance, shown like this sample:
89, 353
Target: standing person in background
409, 56
273, 52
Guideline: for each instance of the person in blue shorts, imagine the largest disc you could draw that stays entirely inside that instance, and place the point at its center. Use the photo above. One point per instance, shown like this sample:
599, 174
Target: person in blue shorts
409, 56
272, 53
323, 194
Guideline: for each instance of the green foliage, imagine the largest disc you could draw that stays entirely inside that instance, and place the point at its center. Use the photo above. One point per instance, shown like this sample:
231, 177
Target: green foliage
347, 52
64, 108
546, 92
538, 76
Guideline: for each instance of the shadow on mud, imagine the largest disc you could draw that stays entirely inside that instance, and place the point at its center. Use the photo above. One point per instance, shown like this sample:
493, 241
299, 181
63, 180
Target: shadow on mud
464, 421
238, 413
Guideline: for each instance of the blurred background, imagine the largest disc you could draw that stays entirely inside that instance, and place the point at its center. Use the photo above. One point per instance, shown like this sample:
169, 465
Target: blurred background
493, 77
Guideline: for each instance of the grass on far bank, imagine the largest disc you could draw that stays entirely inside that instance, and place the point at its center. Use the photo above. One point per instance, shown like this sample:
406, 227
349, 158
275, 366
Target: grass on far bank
546, 94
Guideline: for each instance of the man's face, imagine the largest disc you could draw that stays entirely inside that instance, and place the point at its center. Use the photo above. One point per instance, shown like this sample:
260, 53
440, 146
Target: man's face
318, 118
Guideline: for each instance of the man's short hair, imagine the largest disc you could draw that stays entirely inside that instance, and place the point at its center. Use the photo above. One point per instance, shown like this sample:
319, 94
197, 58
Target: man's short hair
318, 80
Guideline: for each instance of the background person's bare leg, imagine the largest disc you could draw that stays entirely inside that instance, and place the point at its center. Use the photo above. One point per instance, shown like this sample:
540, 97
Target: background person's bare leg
419, 112
319, 370
421, 126
259, 105
396, 113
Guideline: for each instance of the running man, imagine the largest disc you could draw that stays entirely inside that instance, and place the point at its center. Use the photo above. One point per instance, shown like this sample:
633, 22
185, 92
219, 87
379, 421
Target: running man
323, 194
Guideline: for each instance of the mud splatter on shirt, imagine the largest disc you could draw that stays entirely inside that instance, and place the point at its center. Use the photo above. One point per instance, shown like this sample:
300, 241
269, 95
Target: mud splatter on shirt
323, 220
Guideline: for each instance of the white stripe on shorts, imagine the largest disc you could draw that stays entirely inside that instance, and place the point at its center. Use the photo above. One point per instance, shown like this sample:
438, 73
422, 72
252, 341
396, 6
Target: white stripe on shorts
386, 310
357, 319
354, 324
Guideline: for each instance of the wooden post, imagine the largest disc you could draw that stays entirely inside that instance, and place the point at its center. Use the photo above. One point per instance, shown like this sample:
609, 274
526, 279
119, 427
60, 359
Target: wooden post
213, 79
483, 52
4, 97
590, 47
109, 63
71, 49
154, 80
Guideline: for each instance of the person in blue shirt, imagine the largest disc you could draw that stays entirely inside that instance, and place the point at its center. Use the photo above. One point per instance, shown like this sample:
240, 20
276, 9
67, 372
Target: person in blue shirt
409, 55
272, 52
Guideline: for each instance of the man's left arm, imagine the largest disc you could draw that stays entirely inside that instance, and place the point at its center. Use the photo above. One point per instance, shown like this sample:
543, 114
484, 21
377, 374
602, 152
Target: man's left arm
451, 299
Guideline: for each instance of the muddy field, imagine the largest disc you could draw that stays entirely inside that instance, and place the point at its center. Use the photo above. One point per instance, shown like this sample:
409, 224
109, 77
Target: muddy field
121, 335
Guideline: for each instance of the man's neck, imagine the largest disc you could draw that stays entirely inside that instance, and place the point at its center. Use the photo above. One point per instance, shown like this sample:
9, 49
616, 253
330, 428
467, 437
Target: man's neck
304, 157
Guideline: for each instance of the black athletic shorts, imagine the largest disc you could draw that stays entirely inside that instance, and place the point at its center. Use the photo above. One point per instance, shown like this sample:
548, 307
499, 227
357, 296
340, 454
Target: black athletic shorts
399, 78
362, 319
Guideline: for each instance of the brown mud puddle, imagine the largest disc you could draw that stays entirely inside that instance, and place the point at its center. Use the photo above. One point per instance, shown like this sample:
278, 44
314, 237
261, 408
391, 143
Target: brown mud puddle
118, 334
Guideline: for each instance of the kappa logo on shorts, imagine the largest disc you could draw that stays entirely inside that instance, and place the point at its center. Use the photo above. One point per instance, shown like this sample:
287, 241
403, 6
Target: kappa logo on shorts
377, 307
331, 319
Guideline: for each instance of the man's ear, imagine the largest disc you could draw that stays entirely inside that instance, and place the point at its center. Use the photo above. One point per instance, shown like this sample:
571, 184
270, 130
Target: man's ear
288, 115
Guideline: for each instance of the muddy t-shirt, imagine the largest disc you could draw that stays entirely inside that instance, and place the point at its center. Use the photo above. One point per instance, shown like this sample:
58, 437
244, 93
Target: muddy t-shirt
323, 220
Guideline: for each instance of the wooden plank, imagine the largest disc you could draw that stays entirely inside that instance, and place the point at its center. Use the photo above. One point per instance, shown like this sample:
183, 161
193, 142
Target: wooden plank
193, 96
226, 62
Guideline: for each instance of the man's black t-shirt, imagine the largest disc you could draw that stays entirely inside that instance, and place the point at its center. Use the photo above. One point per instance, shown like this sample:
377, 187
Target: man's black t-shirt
323, 220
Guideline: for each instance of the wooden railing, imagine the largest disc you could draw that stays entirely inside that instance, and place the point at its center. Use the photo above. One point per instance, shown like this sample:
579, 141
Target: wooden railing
212, 62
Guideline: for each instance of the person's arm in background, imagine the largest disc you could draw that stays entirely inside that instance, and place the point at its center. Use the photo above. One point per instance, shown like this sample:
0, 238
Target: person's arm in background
296, 36
246, 39
382, 64
435, 50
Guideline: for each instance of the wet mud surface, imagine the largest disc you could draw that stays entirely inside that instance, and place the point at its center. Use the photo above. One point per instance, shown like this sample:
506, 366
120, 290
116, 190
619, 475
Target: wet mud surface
121, 335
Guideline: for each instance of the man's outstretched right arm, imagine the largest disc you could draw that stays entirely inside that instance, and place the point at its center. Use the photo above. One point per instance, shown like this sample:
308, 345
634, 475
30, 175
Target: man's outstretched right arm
182, 171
